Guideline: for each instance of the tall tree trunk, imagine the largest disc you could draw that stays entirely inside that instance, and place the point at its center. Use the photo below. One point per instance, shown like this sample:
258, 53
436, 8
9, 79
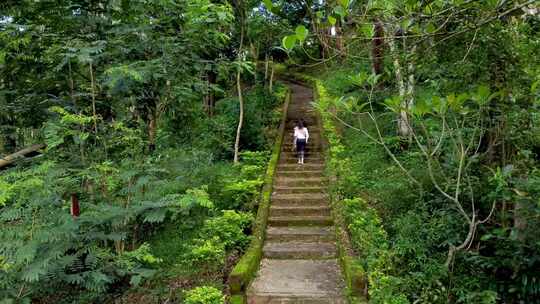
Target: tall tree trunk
152, 130
209, 99
240, 97
520, 219
271, 83
241, 118
71, 83
254, 49
403, 123
377, 48
266, 67
212, 78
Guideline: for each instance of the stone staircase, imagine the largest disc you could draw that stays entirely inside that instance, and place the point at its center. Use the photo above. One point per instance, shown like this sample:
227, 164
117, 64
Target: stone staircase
299, 255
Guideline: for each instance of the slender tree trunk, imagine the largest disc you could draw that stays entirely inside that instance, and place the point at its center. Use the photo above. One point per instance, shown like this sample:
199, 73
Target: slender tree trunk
520, 219
271, 83
266, 68
152, 130
403, 117
71, 83
339, 39
377, 48
255, 54
241, 118
212, 77
240, 97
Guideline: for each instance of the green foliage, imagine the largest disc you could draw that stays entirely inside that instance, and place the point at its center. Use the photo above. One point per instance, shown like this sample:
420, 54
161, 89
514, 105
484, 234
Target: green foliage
217, 236
204, 295
230, 229
207, 254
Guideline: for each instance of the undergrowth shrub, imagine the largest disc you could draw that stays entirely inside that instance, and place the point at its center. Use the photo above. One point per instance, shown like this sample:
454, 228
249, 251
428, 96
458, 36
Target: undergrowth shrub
217, 236
204, 295
231, 228
371, 242
242, 190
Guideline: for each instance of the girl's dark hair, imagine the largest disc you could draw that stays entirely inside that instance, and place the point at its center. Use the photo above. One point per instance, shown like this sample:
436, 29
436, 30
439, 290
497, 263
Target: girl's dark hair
300, 124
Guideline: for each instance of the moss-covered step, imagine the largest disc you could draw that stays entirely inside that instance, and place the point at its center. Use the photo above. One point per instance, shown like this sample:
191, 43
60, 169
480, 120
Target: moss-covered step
300, 167
300, 182
298, 173
299, 250
301, 210
299, 200
310, 147
308, 154
287, 221
307, 160
301, 233
297, 190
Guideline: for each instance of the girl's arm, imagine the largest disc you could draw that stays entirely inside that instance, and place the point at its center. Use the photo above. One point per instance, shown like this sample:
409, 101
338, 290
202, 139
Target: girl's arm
307, 135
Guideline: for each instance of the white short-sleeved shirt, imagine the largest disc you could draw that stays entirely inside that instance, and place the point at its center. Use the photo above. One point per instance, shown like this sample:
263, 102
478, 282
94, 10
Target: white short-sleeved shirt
301, 133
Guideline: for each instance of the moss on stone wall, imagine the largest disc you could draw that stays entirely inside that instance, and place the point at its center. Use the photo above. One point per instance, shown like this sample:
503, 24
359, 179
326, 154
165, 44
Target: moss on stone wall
247, 266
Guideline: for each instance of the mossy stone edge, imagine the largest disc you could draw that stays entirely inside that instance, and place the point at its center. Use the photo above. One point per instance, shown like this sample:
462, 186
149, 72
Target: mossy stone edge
246, 268
354, 273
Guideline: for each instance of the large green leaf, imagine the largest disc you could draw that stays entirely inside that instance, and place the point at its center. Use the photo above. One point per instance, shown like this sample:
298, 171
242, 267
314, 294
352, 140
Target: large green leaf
301, 33
289, 42
332, 20
344, 3
269, 5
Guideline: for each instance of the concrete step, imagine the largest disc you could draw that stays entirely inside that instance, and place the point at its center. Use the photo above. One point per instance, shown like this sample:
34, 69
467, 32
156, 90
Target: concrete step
294, 298
307, 154
302, 173
297, 282
323, 197
313, 133
301, 167
299, 250
312, 199
301, 220
312, 144
294, 160
281, 211
308, 151
303, 234
310, 122
299, 182
298, 189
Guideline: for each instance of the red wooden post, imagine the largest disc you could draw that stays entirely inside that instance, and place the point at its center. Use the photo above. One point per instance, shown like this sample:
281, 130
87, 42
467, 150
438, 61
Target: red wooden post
75, 207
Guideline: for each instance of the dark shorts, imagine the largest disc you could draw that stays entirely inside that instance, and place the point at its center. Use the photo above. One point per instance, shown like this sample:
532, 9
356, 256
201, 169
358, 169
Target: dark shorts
300, 145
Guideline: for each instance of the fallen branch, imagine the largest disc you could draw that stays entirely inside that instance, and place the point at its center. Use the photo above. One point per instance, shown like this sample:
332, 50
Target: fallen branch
10, 159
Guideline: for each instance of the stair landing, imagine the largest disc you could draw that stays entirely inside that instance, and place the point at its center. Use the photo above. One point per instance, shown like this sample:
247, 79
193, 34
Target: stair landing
297, 281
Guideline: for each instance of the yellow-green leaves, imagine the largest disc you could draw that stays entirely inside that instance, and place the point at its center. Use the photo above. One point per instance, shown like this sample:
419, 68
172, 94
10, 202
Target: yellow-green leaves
269, 5
367, 30
340, 11
290, 41
332, 20
301, 33
344, 3
364, 78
